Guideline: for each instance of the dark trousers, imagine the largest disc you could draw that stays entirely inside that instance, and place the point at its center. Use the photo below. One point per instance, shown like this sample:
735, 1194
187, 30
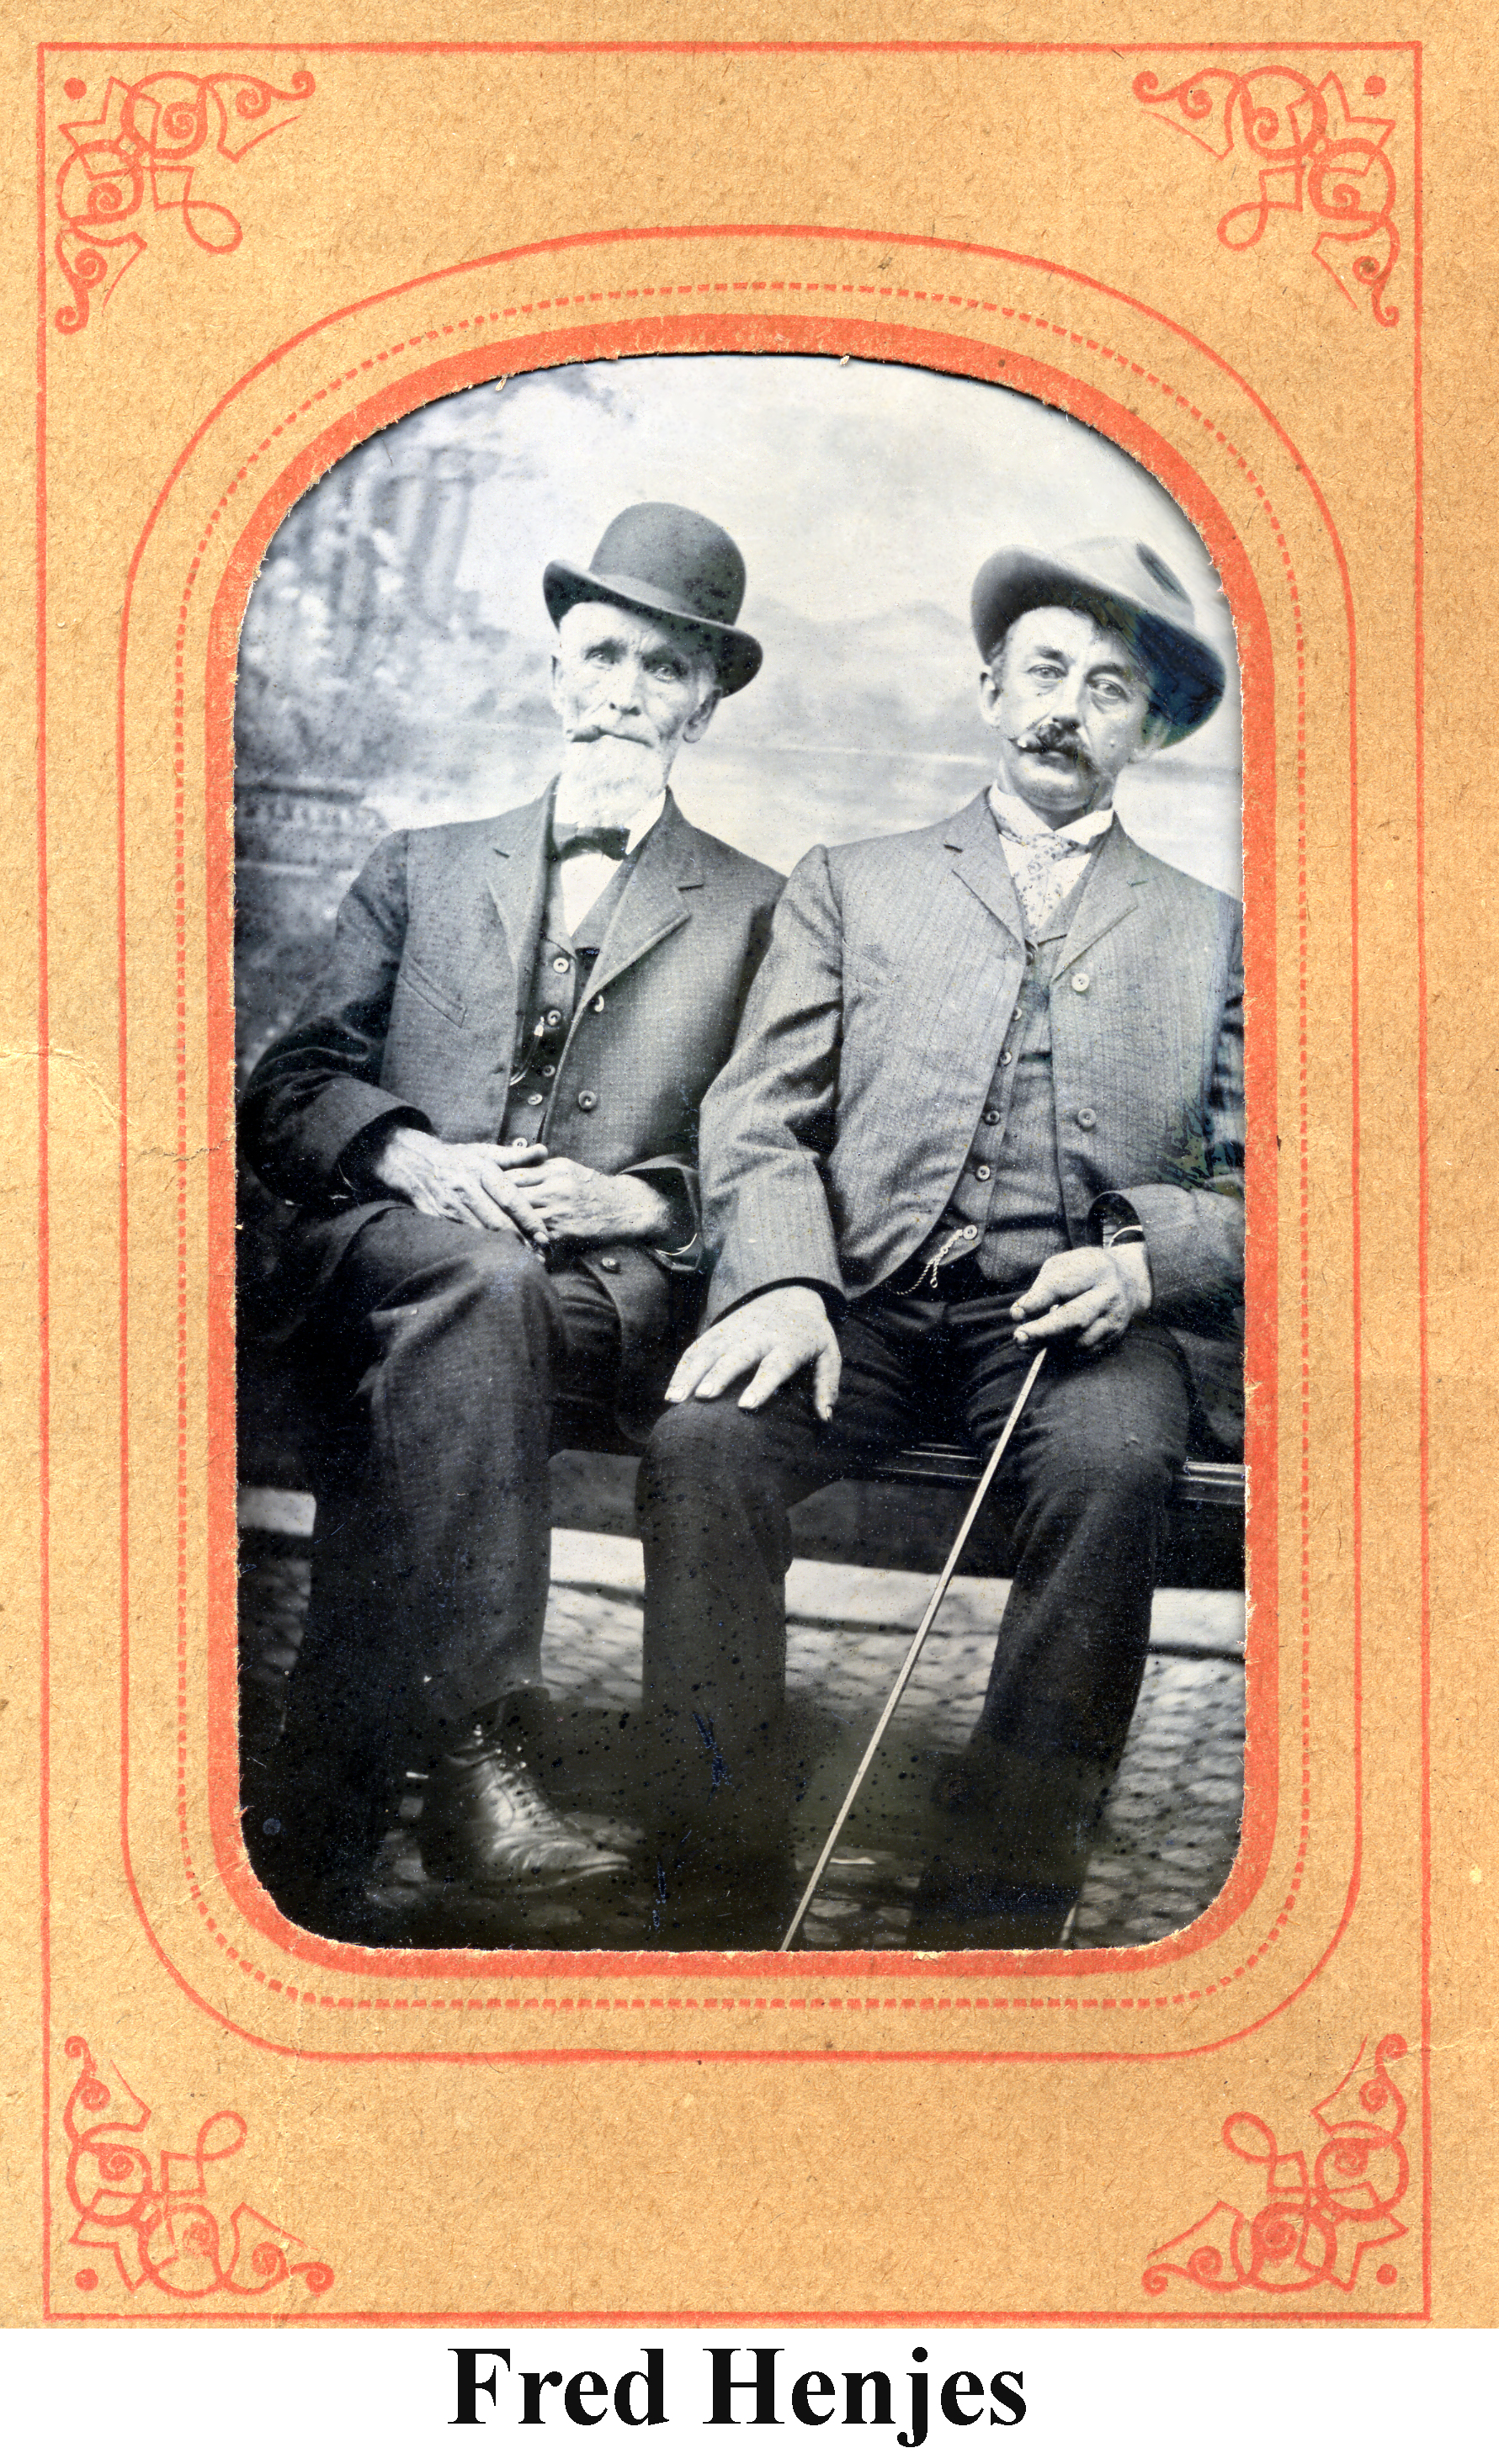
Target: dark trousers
447, 1348
1089, 1471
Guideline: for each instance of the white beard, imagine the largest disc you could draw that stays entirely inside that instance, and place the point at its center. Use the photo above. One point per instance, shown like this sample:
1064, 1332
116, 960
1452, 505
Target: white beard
606, 781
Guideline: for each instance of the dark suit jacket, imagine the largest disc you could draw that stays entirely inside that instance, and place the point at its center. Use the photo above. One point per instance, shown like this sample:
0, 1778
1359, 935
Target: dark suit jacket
418, 1016
835, 1137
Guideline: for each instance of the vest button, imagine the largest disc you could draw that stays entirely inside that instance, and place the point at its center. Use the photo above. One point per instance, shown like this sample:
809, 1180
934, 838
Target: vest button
992, 1118
587, 1101
1087, 1117
1080, 983
548, 1070
553, 1018
597, 1002
611, 1265
533, 1099
1005, 1058
560, 966
981, 1172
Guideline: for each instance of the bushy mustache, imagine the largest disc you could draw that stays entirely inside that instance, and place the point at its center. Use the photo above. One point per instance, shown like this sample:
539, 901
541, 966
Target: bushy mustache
1053, 735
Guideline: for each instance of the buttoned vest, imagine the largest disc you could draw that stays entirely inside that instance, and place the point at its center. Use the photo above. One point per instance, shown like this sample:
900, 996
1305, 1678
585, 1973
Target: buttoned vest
560, 970
1007, 1207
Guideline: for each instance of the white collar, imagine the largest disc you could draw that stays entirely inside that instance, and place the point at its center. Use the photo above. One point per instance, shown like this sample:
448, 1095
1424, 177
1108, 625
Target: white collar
1028, 824
645, 820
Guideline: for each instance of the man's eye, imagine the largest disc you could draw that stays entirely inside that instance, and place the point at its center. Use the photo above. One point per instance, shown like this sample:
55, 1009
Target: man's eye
668, 667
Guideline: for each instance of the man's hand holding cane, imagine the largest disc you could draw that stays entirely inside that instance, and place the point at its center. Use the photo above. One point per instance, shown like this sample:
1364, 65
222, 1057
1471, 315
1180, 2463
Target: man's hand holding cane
1092, 1295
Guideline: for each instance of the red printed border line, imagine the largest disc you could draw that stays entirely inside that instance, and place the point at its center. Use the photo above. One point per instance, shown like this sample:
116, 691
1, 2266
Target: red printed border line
255, 1969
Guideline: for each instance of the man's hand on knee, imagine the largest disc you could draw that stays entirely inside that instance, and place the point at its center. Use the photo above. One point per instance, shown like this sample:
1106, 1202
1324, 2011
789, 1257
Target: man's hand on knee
775, 1334
467, 1184
1092, 1295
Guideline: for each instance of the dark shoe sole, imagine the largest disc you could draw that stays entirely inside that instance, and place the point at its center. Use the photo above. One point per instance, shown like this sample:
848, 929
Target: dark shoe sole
454, 1871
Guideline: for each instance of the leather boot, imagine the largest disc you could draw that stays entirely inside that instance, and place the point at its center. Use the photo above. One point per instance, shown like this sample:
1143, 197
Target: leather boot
1011, 1862
485, 1821
724, 1895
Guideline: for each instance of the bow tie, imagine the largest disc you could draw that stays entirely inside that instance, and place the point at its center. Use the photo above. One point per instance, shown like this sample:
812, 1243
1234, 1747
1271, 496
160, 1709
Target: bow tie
602, 837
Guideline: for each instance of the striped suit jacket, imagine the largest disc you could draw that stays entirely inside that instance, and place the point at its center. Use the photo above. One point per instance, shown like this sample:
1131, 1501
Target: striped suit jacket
833, 1141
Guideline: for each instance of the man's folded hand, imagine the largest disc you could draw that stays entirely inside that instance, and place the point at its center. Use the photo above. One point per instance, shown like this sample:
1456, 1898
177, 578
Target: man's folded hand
468, 1184
576, 1203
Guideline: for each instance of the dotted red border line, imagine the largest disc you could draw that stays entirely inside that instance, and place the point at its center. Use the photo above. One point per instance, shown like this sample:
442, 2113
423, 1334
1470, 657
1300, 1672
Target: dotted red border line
743, 2002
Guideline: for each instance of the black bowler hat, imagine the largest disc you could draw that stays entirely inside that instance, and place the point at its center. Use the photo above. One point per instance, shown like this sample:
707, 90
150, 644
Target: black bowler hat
1125, 585
667, 561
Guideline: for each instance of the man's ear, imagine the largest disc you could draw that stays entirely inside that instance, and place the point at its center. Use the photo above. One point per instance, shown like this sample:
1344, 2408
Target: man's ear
990, 687
1155, 728
556, 686
697, 725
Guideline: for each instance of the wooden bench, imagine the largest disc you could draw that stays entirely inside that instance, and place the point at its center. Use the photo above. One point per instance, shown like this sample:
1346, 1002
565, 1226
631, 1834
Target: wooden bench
861, 1523
905, 1516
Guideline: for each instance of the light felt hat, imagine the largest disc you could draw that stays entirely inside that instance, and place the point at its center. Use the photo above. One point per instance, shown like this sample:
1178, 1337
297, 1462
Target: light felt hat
1123, 583
664, 560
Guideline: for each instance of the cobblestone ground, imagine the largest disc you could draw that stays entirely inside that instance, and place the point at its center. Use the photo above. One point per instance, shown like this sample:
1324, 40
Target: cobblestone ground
1169, 1830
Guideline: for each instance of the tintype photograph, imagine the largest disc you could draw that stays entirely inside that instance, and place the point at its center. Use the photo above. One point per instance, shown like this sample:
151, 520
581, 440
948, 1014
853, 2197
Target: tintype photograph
739, 1030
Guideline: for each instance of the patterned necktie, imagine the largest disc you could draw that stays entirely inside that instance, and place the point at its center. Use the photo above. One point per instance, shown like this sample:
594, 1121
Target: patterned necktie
1049, 869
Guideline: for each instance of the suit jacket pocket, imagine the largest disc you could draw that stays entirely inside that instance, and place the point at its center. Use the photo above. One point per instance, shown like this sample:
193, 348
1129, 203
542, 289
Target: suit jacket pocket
448, 1005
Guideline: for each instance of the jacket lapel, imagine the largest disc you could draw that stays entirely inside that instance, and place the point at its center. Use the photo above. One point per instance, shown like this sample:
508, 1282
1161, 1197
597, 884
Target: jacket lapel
1107, 895
982, 868
515, 874
652, 905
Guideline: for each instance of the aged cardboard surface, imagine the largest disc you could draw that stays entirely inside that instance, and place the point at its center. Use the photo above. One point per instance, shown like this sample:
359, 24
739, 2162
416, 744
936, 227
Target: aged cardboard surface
371, 2136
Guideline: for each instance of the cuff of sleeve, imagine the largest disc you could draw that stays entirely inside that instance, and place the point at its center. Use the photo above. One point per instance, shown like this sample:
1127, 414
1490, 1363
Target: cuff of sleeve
682, 1246
834, 1301
353, 1175
1112, 1223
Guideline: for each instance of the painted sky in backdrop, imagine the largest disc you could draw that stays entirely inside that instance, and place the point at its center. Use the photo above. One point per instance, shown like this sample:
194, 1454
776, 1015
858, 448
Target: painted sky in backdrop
865, 496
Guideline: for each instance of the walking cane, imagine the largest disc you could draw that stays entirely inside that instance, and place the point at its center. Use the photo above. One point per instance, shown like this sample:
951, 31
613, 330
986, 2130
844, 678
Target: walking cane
907, 1665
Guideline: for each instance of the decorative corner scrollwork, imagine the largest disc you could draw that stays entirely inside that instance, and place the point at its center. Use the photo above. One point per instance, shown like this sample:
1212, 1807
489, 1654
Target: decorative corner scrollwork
1317, 2221
144, 150
1315, 156
160, 2220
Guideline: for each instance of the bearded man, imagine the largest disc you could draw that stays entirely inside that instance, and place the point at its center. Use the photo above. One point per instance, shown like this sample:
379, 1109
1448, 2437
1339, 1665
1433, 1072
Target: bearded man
988, 1095
486, 1126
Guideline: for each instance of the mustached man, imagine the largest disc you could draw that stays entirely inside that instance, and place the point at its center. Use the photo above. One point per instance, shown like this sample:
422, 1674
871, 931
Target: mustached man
485, 1129
987, 1096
